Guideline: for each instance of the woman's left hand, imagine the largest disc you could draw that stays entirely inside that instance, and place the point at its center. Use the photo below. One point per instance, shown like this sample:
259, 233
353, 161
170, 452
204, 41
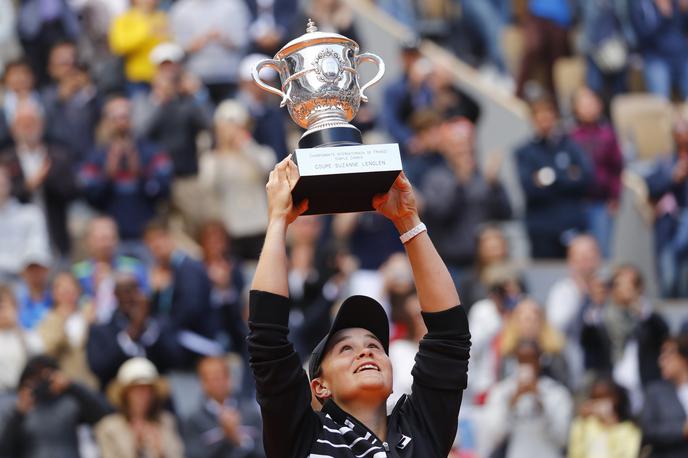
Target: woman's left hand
399, 204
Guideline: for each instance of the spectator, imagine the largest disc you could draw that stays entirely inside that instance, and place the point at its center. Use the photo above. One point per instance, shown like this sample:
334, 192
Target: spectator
268, 127
409, 93
141, 427
213, 49
604, 426
528, 414
555, 176
16, 344
40, 25
132, 331
492, 250
72, 103
488, 23
567, 295
606, 41
48, 410
126, 177
42, 172
96, 273
226, 275
33, 291
623, 338
234, 175
64, 329
23, 232
270, 22
174, 121
17, 86
596, 137
663, 420
660, 25
546, 30
460, 198
527, 322
223, 426
668, 188
181, 294
504, 290
133, 35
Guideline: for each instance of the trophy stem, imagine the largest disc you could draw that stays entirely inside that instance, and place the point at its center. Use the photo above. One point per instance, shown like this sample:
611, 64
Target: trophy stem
339, 135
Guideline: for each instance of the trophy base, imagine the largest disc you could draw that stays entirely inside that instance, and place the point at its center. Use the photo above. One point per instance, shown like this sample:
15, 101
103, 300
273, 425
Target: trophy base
343, 135
345, 178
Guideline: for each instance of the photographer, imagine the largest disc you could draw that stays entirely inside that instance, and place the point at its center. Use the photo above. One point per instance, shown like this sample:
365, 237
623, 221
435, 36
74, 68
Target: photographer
48, 411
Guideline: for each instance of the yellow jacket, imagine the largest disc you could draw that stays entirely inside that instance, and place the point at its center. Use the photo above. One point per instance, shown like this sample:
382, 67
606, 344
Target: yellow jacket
133, 35
590, 438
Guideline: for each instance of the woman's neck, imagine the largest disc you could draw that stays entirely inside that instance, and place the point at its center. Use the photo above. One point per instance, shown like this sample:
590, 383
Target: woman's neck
373, 418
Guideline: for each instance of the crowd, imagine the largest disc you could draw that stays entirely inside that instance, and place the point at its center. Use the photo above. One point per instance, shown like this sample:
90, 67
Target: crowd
134, 152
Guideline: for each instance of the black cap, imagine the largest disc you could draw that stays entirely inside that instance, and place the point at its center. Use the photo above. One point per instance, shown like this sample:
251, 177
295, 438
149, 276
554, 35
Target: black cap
355, 312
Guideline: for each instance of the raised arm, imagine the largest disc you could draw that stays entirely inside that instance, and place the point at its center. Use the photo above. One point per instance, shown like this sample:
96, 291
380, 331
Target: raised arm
271, 272
434, 284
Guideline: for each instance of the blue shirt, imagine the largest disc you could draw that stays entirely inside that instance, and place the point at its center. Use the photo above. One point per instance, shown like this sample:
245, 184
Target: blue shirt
31, 311
558, 11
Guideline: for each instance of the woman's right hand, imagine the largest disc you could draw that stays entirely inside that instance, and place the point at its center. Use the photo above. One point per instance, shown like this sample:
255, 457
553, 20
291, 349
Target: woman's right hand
282, 180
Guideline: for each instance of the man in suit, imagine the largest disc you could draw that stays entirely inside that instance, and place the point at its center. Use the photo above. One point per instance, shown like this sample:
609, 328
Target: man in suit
181, 294
132, 331
223, 425
664, 418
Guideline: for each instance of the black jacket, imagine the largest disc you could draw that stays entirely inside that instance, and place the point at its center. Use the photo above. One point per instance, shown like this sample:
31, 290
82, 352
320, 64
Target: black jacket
662, 421
422, 424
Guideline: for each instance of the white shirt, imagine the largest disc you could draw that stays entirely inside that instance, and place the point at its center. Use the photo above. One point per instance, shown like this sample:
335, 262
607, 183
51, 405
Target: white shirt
23, 234
485, 323
563, 304
683, 396
532, 431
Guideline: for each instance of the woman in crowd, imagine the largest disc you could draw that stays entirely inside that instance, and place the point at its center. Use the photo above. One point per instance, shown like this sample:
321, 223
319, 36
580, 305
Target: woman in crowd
596, 137
234, 176
133, 35
64, 329
528, 322
603, 427
141, 428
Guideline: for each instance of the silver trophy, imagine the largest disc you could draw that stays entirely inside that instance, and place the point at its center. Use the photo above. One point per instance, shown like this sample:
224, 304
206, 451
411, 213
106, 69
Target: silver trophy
321, 90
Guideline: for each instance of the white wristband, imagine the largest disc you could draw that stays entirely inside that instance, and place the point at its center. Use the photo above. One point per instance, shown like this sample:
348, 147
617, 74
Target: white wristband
411, 233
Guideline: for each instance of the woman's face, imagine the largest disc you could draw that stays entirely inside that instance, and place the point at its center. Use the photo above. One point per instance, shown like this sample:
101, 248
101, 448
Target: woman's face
66, 290
492, 247
139, 399
528, 319
587, 106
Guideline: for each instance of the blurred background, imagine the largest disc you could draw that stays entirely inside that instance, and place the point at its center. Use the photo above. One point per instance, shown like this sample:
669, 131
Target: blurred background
547, 141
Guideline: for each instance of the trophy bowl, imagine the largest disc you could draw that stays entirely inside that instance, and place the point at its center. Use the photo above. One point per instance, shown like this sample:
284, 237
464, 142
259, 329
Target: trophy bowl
320, 85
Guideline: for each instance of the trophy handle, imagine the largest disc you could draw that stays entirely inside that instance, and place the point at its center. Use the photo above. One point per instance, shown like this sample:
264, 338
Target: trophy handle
374, 58
255, 72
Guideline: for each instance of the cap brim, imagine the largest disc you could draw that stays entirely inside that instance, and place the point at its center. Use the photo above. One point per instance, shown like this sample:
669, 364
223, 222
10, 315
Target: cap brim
355, 312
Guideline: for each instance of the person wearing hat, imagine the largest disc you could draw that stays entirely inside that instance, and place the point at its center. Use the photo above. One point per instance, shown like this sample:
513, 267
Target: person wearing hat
233, 176
350, 370
141, 428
